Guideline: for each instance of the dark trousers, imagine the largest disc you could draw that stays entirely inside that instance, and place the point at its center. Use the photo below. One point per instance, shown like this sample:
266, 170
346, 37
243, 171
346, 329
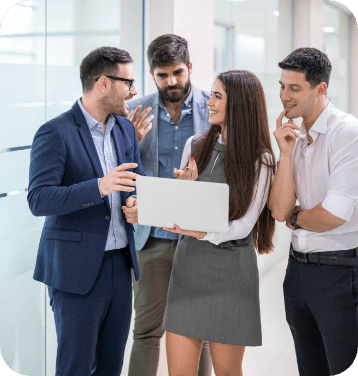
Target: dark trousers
321, 310
92, 329
150, 296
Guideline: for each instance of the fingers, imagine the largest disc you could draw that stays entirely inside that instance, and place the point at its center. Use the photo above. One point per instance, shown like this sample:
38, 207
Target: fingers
280, 118
122, 181
122, 188
135, 113
131, 202
177, 173
144, 114
124, 175
130, 115
126, 166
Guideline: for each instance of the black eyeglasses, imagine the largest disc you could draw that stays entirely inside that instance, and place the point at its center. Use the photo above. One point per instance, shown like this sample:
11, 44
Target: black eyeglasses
118, 79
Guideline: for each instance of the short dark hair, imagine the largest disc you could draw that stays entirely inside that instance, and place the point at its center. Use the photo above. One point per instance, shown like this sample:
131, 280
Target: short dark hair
167, 50
99, 62
314, 63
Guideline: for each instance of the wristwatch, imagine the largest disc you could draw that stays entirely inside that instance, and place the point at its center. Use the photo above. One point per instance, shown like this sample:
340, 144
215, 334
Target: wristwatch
293, 219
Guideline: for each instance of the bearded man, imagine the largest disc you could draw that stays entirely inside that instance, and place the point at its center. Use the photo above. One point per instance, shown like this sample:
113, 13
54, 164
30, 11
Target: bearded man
163, 122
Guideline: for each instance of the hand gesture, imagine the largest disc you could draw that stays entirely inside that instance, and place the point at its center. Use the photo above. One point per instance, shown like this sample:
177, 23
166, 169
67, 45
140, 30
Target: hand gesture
140, 123
131, 210
194, 234
189, 173
286, 135
118, 179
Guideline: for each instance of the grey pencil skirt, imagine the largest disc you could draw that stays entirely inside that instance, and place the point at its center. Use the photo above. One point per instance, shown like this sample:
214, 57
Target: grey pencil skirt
213, 292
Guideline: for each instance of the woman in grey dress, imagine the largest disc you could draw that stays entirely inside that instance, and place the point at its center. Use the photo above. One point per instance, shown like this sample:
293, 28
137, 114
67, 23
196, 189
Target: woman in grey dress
213, 293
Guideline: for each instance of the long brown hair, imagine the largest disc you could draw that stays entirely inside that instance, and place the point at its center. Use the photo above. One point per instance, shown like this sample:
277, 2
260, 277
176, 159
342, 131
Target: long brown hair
248, 138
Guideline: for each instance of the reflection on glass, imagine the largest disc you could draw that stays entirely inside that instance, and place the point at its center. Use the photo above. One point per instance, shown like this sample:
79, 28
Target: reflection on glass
223, 36
22, 302
74, 28
262, 39
336, 46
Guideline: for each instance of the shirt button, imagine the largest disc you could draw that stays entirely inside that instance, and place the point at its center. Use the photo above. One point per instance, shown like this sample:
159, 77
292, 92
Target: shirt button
116, 228
168, 115
176, 127
107, 217
176, 147
114, 206
84, 205
189, 106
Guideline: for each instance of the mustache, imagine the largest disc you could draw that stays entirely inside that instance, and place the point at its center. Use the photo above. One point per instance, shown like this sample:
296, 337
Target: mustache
176, 86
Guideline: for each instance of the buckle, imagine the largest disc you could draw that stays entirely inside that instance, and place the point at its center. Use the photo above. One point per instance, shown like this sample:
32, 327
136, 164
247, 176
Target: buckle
299, 256
303, 258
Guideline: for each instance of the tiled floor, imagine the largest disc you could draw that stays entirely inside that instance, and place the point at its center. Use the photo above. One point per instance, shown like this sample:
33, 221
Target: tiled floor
276, 357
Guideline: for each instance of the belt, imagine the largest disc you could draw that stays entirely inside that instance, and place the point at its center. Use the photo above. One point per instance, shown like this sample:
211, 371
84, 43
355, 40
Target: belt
124, 251
345, 258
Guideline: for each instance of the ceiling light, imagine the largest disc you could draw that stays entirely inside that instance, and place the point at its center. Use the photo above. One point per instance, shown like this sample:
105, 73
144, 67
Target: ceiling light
329, 29
276, 13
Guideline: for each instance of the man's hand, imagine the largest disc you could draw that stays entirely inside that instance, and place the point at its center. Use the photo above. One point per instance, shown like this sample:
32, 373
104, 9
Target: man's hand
288, 221
140, 123
118, 179
189, 173
194, 234
286, 135
131, 210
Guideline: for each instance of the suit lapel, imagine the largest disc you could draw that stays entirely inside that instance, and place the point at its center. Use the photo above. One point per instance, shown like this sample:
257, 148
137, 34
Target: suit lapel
118, 135
150, 142
88, 142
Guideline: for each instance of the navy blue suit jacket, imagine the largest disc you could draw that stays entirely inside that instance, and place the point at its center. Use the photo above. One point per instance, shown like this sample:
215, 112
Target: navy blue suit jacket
63, 186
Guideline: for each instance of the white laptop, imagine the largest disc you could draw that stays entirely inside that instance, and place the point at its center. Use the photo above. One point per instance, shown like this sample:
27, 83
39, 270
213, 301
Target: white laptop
191, 205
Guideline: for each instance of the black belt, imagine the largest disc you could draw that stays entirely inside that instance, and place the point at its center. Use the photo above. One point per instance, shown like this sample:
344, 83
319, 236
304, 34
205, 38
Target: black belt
345, 258
124, 251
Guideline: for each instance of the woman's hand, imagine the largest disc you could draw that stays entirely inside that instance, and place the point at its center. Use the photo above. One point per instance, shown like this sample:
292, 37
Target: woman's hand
194, 234
189, 173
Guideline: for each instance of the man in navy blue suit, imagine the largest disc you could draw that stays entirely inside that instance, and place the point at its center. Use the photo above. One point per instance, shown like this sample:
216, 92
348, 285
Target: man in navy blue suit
82, 171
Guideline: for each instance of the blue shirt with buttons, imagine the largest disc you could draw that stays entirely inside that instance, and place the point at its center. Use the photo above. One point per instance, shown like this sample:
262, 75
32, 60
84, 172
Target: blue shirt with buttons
117, 235
171, 141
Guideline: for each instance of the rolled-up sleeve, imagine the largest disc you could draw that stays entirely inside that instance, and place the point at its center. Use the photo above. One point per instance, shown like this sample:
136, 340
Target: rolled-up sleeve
342, 195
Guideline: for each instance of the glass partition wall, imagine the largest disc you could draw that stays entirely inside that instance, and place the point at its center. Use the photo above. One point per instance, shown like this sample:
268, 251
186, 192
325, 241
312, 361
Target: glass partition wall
260, 34
42, 43
337, 42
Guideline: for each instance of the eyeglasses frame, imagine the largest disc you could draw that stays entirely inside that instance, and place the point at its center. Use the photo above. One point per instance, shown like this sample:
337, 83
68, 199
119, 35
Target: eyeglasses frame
118, 79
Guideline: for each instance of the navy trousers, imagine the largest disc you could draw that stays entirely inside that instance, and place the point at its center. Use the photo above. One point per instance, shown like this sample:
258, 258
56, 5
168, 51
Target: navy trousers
321, 310
92, 329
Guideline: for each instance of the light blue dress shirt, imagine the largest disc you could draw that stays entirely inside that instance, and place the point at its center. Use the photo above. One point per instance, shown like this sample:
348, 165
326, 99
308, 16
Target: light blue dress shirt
171, 141
117, 235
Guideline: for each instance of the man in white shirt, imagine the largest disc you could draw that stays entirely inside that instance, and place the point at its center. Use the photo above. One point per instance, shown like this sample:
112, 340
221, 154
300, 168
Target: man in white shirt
318, 166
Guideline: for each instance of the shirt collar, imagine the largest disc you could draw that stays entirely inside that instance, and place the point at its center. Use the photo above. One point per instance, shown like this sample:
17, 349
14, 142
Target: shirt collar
320, 125
92, 122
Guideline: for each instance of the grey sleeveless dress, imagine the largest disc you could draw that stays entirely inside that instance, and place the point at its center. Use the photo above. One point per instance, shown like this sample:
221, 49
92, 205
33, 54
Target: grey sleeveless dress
213, 291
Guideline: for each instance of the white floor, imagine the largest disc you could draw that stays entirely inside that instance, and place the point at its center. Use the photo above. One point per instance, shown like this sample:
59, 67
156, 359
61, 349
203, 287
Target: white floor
276, 357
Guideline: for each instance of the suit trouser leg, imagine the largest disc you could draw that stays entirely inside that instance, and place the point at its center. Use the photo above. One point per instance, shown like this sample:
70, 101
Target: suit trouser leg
320, 302
150, 296
92, 329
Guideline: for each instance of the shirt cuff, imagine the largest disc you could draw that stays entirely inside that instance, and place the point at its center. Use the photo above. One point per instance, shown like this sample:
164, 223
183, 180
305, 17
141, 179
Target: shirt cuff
212, 237
339, 205
99, 188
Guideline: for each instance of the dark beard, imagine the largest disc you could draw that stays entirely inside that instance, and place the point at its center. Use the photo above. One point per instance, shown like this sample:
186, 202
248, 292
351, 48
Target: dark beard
174, 97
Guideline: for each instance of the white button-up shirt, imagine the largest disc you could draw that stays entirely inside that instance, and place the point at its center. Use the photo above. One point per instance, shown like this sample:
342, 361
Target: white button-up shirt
327, 171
